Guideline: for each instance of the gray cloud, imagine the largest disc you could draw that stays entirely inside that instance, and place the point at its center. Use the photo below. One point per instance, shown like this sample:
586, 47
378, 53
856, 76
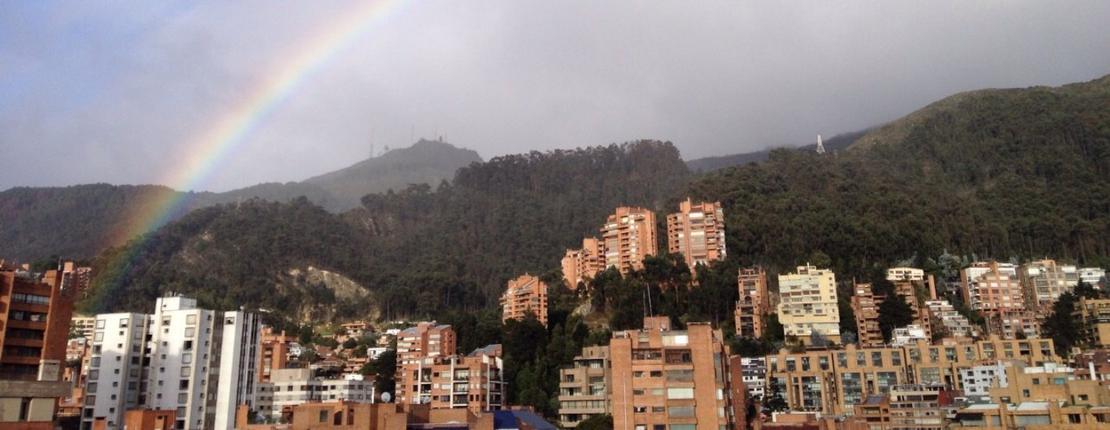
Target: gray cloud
112, 93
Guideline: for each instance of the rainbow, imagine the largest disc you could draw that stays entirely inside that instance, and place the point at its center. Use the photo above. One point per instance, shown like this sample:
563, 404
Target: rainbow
207, 152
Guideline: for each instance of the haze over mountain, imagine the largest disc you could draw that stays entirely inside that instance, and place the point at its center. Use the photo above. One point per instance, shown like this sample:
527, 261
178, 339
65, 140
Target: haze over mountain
79, 221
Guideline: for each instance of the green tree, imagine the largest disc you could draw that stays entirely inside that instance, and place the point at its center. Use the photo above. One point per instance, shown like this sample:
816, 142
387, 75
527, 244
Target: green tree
596, 422
894, 312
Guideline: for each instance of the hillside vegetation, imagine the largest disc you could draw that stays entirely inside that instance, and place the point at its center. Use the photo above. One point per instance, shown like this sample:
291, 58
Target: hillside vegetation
997, 173
419, 251
80, 221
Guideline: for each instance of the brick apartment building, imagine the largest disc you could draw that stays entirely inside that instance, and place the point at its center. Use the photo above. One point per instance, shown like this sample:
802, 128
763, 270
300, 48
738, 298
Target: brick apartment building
673, 378
524, 295
697, 231
753, 305
581, 265
627, 237
34, 325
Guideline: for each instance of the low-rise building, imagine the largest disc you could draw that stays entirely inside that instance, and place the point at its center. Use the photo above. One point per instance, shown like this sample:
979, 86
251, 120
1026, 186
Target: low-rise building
292, 387
583, 387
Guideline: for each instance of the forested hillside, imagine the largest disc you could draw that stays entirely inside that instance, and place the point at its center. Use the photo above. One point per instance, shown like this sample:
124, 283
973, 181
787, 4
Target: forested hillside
74, 222
995, 173
417, 252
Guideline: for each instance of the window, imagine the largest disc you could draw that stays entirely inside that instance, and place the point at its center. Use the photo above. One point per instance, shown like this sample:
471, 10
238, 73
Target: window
191, 319
680, 393
99, 323
680, 411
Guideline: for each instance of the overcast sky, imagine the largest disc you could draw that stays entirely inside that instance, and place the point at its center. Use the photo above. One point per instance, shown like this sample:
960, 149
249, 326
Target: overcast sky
107, 91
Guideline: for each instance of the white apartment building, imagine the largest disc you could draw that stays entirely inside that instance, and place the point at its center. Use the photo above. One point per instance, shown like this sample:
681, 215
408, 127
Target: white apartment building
908, 335
911, 274
1092, 276
292, 387
198, 362
977, 381
808, 304
753, 370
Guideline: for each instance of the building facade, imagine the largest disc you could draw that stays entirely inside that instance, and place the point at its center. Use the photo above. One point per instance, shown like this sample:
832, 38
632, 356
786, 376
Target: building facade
525, 295
417, 349
992, 287
273, 353
865, 306
581, 265
583, 387
627, 237
1045, 280
34, 326
672, 378
808, 304
199, 363
753, 305
697, 231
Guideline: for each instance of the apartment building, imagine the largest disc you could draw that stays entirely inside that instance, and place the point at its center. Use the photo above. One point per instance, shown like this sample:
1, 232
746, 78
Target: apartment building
584, 387
1040, 397
473, 382
907, 407
1095, 313
627, 237
909, 283
1045, 280
1011, 324
908, 334
417, 349
992, 287
865, 306
753, 372
199, 363
952, 322
292, 387
581, 265
85, 326
273, 352
832, 382
808, 304
34, 325
753, 305
697, 231
978, 380
1093, 276
523, 296
673, 378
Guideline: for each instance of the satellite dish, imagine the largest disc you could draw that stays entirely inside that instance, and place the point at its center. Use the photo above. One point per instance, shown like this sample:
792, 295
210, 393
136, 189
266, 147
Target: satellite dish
386, 397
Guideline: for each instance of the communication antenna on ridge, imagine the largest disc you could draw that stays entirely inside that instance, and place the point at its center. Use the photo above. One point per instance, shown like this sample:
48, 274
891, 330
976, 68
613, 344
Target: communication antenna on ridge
820, 146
